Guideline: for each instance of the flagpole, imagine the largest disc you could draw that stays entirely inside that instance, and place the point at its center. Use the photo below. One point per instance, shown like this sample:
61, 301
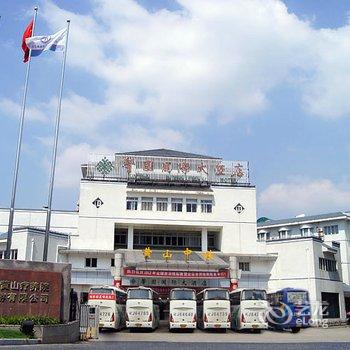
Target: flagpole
18, 151
54, 153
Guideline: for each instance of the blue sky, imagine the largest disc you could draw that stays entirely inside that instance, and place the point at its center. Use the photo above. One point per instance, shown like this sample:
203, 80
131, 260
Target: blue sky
260, 80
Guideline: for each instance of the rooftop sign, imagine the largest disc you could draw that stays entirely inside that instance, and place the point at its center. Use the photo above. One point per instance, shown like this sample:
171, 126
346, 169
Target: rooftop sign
136, 168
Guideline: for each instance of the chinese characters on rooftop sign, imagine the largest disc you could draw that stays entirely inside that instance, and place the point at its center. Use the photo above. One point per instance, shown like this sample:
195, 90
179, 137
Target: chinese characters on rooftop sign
170, 169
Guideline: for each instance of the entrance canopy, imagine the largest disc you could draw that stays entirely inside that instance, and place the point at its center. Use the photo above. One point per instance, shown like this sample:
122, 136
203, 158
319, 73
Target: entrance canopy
162, 276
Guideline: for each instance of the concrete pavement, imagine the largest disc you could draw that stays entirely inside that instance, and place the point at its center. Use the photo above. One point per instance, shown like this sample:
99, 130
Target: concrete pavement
332, 334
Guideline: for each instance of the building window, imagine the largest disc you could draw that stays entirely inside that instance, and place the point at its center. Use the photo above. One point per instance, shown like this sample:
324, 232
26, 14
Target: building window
176, 204
13, 254
327, 264
244, 266
90, 262
167, 240
162, 204
263, 236
306, 231
146, 203
212, 241
283, 234
331, 230
120, 238
131, 203
112, 262
206, 205
191, 205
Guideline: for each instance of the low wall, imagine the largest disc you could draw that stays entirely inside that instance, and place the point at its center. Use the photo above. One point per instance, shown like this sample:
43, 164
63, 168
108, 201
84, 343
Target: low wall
60, 333
53, 334
31, 272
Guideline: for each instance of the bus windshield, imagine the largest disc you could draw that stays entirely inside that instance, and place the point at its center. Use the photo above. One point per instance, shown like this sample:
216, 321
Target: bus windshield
139, 294
254, 294
298, 297
216, 294
183, 295
101, 291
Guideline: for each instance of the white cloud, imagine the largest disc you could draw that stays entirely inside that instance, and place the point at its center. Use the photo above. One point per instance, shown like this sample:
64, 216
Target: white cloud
68, 171
132, 137
213, 57
13, 109
303, 196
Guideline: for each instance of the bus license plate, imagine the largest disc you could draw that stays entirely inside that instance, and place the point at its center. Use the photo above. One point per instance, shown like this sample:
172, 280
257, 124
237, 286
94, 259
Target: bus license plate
138, 324
216, 325
255, 326
182, 325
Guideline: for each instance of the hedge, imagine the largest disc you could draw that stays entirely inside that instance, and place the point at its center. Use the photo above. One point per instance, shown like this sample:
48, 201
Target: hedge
38, 320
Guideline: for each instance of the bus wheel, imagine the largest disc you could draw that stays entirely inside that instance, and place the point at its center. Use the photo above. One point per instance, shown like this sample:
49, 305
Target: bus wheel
295, 330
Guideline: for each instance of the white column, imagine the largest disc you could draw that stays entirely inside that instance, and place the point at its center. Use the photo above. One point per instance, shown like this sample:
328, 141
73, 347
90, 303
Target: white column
117, 269
130, 237
234, 275
204, 239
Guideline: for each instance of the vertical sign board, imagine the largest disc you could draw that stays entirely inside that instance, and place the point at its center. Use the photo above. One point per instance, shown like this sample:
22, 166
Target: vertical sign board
29, 292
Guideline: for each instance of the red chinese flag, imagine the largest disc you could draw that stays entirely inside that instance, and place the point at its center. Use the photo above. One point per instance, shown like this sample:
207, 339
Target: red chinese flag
27, 34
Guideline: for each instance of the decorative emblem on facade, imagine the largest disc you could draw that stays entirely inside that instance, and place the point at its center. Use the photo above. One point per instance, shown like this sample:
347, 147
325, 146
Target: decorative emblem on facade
104, 166
208, 255
239, 208
187, 252
147, 253
97, 202
167, 255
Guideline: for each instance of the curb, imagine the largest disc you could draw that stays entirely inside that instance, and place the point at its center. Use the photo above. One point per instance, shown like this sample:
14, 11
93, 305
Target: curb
19, 341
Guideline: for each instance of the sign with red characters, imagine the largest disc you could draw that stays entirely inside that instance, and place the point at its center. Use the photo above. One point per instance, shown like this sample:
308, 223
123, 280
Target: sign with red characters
94, 296
180, 274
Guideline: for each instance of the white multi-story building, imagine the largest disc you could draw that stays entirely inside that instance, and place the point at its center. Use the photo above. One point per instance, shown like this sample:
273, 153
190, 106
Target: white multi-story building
174, 202
333, 230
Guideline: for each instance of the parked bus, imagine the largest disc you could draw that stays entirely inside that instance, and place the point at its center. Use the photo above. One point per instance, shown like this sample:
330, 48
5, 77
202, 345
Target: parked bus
183, 309
289, 309
142, 308
111, 302
249, 308
213, 309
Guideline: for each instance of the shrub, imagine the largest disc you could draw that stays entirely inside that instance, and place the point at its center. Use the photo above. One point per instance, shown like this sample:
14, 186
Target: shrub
38, 320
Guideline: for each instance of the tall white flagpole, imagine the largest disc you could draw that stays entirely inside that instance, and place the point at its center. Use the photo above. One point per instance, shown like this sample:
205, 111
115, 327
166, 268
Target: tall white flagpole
54, 153
18, 151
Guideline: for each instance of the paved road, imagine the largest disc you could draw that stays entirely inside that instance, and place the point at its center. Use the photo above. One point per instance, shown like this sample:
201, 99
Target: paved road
310, 335
335, 338
185, 346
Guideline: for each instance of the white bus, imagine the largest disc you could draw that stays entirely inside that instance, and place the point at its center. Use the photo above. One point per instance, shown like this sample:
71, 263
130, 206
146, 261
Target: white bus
111, 302
183, 309
142, 308
249, 309
213, 309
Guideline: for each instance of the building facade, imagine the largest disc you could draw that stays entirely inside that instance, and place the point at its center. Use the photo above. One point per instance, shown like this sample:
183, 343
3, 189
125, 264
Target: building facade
196, 213
326, 263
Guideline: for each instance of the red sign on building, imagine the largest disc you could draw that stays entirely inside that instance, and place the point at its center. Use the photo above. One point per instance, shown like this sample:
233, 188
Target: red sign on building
29, 292
171, 274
